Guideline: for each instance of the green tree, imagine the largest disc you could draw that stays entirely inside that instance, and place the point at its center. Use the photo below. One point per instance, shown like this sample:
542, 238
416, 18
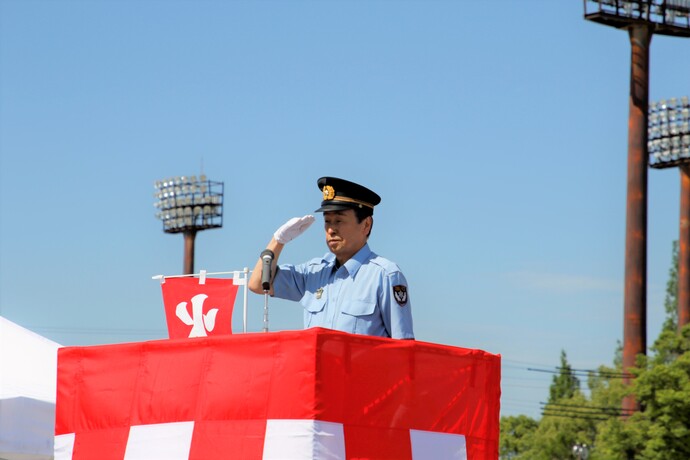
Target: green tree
671, 300
661, 385
565, 423
565, 384
516, 435
661, 430
606, 396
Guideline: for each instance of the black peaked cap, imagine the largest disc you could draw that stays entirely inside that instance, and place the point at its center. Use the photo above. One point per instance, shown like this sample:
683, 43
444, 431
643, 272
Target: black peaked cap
341, 194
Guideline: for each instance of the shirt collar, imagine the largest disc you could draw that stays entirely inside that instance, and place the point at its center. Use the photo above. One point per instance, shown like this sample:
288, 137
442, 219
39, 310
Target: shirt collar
353, 264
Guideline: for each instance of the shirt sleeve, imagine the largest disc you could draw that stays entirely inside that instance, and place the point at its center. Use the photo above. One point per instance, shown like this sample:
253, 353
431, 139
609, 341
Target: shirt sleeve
289, 282
396, 306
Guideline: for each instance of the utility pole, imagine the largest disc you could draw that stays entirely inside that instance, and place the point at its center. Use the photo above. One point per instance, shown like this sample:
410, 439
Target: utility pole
641, 19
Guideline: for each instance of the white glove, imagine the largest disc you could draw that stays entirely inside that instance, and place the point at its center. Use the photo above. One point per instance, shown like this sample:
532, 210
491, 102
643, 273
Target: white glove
293, 228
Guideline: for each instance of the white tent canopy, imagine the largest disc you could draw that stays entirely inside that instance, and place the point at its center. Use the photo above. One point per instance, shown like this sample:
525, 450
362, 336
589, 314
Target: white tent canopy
28, 381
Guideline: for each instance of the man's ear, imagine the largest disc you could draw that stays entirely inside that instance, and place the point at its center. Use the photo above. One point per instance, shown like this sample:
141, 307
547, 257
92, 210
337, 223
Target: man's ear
369, 223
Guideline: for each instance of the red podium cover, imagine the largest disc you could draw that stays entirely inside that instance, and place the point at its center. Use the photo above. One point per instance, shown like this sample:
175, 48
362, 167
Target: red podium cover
298, 394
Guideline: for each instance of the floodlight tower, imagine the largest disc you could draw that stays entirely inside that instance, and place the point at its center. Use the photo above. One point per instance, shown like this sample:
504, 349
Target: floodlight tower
188, 205
642, 19
669, 146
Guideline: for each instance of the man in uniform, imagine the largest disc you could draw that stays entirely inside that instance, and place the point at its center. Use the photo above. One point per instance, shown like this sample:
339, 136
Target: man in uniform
350, 289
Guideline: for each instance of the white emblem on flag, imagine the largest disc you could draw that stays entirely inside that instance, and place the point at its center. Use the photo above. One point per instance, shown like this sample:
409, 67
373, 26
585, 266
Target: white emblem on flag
200, 323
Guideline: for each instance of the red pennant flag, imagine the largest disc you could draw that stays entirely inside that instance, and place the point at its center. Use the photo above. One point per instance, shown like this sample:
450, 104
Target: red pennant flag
198, 310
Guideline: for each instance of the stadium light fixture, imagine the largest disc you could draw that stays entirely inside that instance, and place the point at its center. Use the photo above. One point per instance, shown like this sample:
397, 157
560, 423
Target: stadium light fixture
669, 146
189, 204
669, 17
669, 133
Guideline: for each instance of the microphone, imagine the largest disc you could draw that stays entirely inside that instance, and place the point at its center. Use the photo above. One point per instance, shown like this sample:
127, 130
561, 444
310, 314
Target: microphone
267, 259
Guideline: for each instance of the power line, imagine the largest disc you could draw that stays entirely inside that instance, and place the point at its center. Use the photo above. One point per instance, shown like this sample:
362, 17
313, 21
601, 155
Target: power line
587, 417
580, 406
540, 367
583, 372
574, 409
594, 371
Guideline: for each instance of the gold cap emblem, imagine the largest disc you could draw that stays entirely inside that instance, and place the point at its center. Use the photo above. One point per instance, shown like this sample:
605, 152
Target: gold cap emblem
328, 192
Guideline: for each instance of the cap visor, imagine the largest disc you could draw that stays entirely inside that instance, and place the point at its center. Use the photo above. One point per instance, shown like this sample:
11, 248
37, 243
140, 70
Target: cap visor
334, 207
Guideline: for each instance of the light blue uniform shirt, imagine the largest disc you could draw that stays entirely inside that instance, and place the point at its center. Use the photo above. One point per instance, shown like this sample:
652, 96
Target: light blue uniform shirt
367, 295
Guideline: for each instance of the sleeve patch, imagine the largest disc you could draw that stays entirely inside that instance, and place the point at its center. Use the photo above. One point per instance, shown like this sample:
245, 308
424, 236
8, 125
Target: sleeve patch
400, 294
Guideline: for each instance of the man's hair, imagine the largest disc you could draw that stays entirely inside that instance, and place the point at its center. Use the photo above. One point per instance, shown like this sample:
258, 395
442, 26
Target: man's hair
363, 213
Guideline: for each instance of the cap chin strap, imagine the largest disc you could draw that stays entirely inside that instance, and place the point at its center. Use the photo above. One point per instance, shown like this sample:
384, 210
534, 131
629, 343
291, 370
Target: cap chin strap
352, 200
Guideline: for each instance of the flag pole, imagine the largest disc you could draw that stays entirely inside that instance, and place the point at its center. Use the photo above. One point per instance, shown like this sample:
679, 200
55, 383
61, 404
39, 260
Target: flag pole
244, 323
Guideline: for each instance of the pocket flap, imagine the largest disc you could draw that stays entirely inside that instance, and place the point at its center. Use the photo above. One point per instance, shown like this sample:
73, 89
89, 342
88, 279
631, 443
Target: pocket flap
359, 307
314, 305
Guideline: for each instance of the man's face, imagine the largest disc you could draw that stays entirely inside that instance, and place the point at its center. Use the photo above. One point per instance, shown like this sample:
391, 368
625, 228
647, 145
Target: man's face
344, 235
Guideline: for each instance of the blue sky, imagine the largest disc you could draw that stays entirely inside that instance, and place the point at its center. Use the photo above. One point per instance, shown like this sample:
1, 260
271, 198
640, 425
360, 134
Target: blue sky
495, 132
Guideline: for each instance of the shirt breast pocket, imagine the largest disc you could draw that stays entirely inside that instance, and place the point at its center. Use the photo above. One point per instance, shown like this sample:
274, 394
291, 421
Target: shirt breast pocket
359, 316
313, 311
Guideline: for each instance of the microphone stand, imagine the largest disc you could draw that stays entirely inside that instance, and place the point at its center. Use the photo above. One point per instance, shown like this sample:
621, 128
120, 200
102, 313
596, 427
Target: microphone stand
265, 310
267, 260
